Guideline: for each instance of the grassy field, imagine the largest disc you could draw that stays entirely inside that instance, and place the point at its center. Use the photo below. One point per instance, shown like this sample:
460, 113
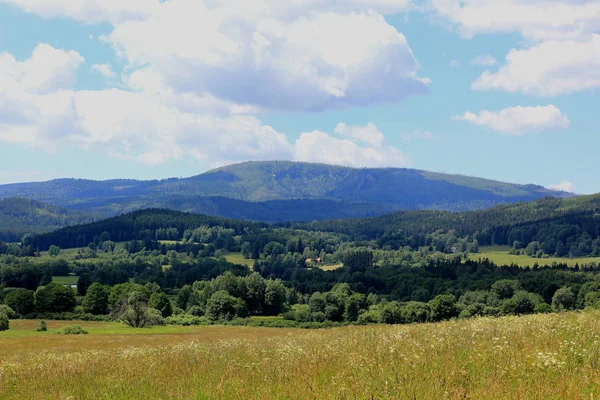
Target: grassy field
331, 267
553, 356
238, 258
65, 280
499, 255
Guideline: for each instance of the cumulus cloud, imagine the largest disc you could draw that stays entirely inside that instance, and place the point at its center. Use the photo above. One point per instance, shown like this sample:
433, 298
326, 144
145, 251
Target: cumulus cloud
360, 146
267, 54
548, 69
536, 20
485, 60
564, 186
196, 72
48, 70
519, 120
127, 124
104, 69
293, 64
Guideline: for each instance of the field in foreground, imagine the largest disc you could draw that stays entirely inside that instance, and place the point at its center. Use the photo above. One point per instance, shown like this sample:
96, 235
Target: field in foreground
553, 356
499, 256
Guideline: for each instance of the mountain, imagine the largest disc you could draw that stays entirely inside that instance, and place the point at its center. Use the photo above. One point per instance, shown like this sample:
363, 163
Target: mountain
283, 191
19, 216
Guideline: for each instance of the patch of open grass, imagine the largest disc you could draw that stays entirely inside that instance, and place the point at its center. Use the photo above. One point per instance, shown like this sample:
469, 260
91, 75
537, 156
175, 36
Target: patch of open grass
65, 280
331, 267
237, 258
539, 357
499, 255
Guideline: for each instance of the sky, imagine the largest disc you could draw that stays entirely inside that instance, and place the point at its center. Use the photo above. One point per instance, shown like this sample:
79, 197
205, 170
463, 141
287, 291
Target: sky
150, 89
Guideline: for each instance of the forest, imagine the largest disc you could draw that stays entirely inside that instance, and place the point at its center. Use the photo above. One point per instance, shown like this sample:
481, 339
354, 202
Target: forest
166, 267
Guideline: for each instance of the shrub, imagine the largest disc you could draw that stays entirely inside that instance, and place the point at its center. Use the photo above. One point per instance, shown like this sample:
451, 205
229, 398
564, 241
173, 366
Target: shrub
542, 308
186, 320
4, 323
4, 309
73, 330
43, 326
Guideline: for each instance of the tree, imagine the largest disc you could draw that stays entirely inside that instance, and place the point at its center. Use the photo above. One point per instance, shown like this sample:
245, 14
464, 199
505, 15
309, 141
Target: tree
521, 303
223, 306
96, 299
83, 283
183, 297
9, 312
4, 322
563, 300
273, 249
274, 297
353, 304
255, 293
443, 307
54, 251
505, 288
391, 313
20, 300
134, 312
54, 298
161, 302
415, 311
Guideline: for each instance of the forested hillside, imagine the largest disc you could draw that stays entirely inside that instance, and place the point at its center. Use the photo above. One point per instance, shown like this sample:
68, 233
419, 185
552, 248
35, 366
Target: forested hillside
19, 216
558, 226
283, 191
561, 227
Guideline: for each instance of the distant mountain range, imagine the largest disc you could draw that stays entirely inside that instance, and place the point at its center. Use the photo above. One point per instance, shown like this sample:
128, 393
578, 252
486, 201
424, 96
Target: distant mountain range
277, 191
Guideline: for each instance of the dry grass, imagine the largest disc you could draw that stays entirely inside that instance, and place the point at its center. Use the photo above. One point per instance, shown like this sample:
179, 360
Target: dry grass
536, 357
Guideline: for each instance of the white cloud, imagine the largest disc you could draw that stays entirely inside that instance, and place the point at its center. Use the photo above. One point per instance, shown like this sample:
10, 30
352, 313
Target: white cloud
89, 11
196, 71
292, 55
536, 20
104, 69
48, 70
297, 64
419, 135
134, 125
519, 120
564, 186
485, 60
548, 69
360, 147
454, 64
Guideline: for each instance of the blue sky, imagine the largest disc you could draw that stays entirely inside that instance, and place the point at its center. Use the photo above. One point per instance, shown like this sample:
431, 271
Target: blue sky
149, 89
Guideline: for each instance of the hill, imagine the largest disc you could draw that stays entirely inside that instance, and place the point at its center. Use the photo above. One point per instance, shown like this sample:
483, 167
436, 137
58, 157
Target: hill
283, 191
558, 227
19, 216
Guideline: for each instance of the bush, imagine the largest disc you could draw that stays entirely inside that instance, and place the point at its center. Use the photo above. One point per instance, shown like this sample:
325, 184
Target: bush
464, 314
4, 323
542, 308
73, 330
43, 326
4, 309
186, 320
